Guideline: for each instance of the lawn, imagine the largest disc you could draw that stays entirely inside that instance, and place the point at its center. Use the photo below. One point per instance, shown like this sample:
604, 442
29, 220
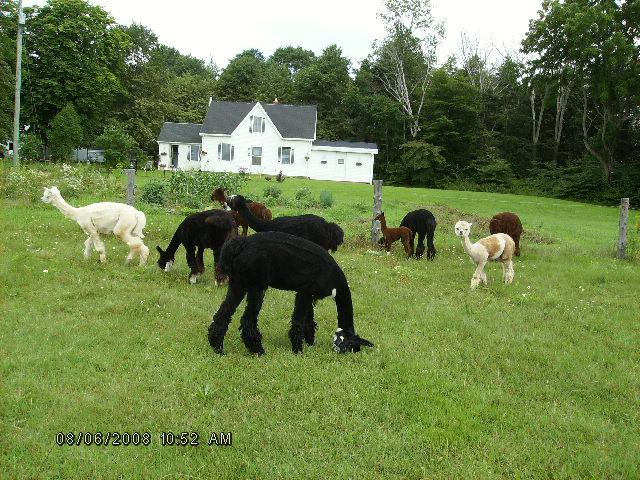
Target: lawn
536, 379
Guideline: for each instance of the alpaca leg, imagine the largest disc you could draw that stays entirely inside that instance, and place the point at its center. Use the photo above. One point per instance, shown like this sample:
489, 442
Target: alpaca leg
420, 247
478, 274
516, 240
88, 247
222, 318
301, 329
310, 326
200, 260
508, 272
98, 245
407, 247
193, 265
250, 334
245, 228
431, 249
136, 246
218, 275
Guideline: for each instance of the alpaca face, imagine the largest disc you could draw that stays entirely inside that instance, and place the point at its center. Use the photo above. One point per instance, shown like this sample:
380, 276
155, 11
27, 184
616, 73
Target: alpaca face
463, 229
49, 193
233, 202
344, 342
163, 262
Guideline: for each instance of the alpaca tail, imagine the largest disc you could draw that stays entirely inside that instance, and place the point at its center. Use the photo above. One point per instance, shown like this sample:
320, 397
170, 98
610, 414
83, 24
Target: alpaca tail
141, 222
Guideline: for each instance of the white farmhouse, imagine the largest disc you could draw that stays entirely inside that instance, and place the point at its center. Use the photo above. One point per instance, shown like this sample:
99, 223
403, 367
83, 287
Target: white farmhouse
263, 138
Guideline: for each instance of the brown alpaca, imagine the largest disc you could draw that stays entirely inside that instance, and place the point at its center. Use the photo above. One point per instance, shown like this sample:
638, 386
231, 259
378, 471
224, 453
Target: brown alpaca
258, 209
393, 234
509, 223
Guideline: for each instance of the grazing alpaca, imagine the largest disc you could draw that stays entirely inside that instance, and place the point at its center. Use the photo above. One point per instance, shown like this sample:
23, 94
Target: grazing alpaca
509, 223
312, 227
499, 246
285, 262
390, 235
208, 229
423, 223
258, 209
122, 220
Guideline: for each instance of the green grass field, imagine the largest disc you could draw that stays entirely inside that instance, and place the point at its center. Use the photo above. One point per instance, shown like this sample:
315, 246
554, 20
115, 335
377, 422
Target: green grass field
538, 379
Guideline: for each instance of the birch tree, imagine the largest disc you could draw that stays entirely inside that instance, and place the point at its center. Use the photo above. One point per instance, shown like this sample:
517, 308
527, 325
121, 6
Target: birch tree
406, 56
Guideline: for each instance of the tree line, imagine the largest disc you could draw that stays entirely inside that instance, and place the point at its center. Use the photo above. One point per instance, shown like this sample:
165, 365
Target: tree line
559, 117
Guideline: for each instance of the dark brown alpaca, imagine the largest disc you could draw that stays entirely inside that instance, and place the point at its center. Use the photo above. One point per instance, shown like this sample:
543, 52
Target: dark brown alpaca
393, 234
509, 223
258, 209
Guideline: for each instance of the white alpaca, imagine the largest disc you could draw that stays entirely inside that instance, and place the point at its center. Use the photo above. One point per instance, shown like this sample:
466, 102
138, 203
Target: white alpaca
122, 220
499, 246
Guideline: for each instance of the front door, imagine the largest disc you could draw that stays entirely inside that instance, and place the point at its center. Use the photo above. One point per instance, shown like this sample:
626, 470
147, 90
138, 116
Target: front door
341, 168
174, 156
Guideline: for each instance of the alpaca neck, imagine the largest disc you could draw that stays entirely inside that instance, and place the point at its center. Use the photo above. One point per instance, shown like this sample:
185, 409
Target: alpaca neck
66, 209
466, 243
383, 223
344, 306
254, 222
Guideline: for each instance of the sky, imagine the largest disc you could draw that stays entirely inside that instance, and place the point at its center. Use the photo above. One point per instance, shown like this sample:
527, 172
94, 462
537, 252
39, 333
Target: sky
219, 30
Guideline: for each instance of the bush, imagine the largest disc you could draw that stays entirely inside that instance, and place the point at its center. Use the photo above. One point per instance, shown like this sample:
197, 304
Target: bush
193, 189
118, 145
31, 147
272, 192
326, 199
154, 193
65, 134
27, 181
302, 193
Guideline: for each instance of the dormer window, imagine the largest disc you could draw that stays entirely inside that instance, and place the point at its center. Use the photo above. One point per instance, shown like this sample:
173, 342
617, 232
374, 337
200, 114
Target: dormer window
256, 124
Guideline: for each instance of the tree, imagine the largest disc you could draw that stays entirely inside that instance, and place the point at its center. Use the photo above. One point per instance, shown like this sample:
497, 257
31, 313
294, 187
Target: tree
241, 80
31, 147
407, 54
421, 164
293, 58
597, 44
326, 82
65, 133
8, 26
76, 54
118, 146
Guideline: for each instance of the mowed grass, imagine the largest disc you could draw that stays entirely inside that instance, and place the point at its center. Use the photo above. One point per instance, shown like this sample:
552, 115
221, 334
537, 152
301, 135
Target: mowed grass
536, 379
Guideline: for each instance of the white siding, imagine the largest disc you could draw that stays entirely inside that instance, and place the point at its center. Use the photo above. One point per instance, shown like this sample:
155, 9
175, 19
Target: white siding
243, 140
357, 167
164, 149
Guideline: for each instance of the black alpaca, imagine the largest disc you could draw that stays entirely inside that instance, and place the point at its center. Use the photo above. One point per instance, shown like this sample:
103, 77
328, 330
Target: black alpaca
312, 227
285, 262
423, 223
208, 229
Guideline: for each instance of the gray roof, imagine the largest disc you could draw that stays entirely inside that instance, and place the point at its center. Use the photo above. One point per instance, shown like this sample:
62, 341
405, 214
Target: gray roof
344, 144
292, 121
180, 132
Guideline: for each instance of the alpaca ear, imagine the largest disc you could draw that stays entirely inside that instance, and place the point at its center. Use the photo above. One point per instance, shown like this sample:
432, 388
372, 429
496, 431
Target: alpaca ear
364, 342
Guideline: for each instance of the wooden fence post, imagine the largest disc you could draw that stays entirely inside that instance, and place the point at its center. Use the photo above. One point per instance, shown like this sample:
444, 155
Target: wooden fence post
131, 186
377, 208
624, 220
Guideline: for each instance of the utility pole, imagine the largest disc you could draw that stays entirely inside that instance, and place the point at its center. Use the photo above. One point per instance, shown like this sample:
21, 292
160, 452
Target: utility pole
16, 108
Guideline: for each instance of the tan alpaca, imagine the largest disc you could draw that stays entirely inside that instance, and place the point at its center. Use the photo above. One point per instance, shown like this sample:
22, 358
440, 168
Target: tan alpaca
496, 247
122, 220
392, 234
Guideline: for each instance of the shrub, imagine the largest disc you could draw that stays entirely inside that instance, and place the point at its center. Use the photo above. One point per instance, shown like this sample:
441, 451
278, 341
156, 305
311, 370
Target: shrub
65, 134
27, 181
154, 193
302, 193
194, 189
31, 147
118, 145
272, 192
326, 199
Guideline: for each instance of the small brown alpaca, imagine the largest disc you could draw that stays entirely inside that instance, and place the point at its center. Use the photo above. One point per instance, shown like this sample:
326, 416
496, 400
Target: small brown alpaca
258, 209
393, 234
509, 223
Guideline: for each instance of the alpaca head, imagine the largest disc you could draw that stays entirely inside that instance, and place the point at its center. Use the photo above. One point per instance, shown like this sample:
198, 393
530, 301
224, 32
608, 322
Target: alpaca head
463, 229
49, 194
380, 217
164, 262
336, 237
344, 342
218, 196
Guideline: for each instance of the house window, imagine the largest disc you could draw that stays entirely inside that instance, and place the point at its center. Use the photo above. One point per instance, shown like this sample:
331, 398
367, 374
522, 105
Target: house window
256, 124
194, 153
256, 156
341, 161
225, 152
285, 155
